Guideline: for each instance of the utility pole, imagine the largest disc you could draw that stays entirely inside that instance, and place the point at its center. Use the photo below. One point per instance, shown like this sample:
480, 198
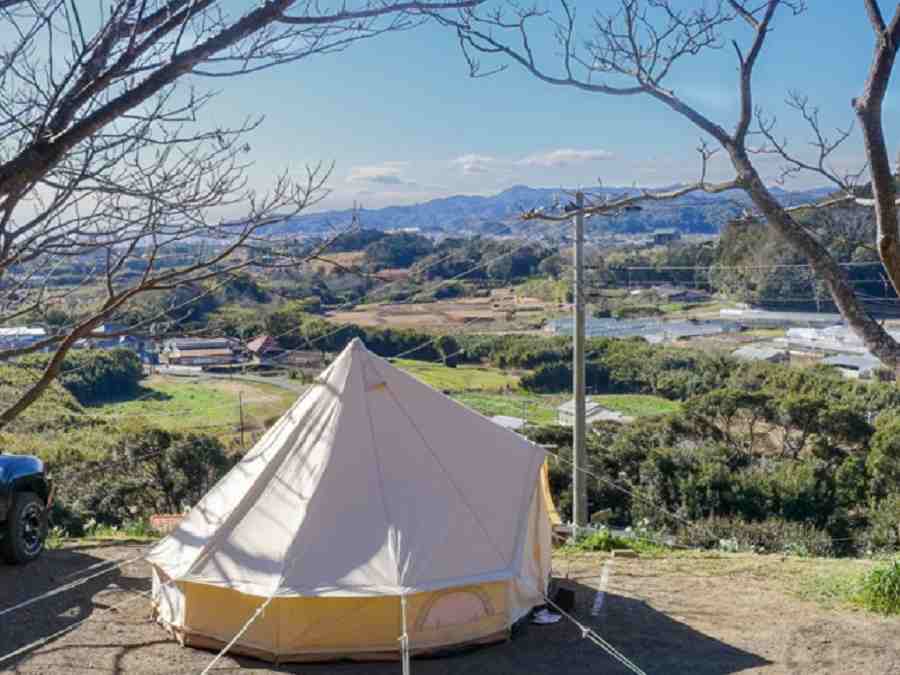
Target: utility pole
579, 485
241, 407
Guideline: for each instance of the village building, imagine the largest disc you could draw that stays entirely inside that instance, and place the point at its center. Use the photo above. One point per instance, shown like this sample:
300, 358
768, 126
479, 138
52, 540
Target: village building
766, 353
199, 352
264, 347
854, 366
594, 412
111, 336
305, 359
19, 337
508, 422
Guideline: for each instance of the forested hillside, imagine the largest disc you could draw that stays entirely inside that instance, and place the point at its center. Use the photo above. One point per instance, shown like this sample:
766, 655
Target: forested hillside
499, 214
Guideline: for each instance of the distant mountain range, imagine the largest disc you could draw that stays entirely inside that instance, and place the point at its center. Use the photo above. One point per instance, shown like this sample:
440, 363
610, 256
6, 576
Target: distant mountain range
499, 214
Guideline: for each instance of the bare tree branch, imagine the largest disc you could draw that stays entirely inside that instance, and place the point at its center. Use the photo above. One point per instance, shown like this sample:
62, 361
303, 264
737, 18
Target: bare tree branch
634, 46
113, 174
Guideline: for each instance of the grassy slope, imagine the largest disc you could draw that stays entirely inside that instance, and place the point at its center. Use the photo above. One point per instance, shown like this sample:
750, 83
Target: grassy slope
462, 378
55, 409
637, 405
536, 409
485, 390
181, 404
58, 425
480, 388
211, 405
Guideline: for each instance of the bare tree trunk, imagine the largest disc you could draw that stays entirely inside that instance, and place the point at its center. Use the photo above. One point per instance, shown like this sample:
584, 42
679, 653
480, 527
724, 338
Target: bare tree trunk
869, 113
873, 335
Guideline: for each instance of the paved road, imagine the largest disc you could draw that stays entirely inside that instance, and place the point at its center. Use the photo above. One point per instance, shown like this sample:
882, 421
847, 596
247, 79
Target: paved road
280, 382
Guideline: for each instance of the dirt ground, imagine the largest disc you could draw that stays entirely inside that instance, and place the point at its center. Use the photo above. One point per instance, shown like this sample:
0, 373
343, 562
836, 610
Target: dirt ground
701, 615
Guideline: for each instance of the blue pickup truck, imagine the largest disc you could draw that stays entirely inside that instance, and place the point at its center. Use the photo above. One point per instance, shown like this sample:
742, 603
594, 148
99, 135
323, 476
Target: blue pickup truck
25, 497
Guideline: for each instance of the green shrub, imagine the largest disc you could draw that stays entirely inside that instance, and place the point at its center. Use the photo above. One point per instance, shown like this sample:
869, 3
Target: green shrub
147, 471
599, 540
881, 589
553, 378
401, 249
851, 481
883, 463
548, 378
93, 375
773, 535
56, 408
883, 533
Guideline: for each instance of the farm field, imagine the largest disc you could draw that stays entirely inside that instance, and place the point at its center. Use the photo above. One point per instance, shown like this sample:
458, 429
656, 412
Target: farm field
501, 311
539, 410
704, 613
461, 378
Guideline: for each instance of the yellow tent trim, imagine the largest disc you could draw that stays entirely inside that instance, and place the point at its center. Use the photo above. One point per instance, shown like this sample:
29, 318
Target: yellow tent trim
548, 497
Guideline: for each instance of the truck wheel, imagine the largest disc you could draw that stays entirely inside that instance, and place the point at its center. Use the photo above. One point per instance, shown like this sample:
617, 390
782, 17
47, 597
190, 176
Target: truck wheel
26, 528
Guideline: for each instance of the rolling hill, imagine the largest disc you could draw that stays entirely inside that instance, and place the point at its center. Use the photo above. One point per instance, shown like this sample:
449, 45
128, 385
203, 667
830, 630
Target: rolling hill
498, 214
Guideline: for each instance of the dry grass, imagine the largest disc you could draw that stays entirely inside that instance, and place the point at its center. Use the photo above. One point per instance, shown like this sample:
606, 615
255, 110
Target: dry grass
187, 404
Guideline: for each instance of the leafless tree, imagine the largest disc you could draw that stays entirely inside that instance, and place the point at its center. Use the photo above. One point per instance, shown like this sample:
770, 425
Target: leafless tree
112, 166
633, 47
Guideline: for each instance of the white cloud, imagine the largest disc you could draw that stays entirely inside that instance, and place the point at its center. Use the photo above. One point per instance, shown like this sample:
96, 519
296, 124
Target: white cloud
564, 157
383, 175
473, 164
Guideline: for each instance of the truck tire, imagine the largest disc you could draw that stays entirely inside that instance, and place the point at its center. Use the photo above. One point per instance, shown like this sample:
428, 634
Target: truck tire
26, 529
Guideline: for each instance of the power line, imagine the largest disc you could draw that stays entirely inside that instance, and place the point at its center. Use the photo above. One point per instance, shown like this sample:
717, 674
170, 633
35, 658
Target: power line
684, 268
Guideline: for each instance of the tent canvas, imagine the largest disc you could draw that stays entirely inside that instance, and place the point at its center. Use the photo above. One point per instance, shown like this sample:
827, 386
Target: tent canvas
372, 487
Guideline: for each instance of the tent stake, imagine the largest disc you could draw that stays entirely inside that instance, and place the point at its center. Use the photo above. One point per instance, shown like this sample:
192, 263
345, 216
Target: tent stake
404, 638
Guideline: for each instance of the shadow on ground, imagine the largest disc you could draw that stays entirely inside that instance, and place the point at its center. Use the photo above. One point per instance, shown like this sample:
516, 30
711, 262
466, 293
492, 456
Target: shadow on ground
655, 642
30, 624
124, 396
129, 641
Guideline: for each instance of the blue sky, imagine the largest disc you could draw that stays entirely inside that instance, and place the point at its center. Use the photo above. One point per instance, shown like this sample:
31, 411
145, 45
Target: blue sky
403, 122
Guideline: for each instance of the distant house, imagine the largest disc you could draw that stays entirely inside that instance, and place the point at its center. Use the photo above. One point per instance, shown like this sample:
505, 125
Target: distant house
511, 423
109, 336
264, 347
761, 353
594, 412
663, 237
199, 352
19, 337
114, 340
305, 359
854, 367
